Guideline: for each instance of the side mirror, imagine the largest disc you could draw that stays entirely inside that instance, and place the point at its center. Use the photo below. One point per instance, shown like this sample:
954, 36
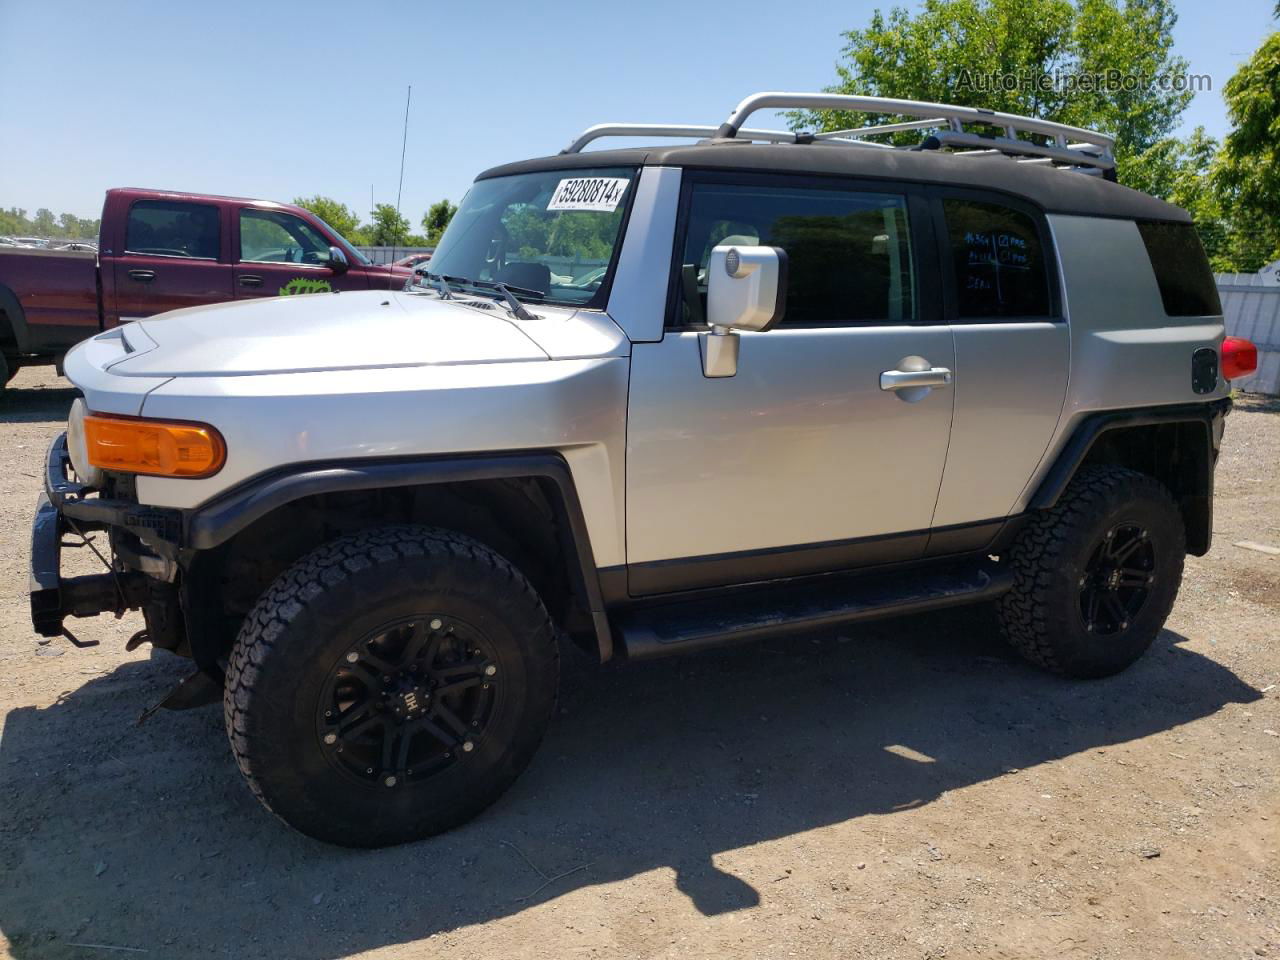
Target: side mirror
338, 260
746, 290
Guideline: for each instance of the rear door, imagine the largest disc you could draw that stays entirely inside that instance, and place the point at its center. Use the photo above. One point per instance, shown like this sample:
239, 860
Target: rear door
1013, 357
175, 255
280, 254
806, 460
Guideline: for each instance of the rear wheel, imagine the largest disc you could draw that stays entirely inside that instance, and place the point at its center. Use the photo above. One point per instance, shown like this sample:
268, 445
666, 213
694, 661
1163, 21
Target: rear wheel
390, 685
1096, 576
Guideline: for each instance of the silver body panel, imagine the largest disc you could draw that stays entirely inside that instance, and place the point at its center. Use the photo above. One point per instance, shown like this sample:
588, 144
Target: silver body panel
89, 366
638, 300
274, 420
801, 446
1125, 351
1010, 385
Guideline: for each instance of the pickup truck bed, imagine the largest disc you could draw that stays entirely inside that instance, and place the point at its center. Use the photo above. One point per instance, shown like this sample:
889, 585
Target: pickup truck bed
49, 301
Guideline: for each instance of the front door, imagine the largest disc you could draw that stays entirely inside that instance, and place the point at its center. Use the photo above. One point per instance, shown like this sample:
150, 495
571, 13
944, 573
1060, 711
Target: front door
280, 254
804, 461
174, 256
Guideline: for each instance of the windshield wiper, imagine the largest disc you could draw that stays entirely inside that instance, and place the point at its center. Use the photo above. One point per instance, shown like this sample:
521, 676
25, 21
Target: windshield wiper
506, 291
515, 306
438, 285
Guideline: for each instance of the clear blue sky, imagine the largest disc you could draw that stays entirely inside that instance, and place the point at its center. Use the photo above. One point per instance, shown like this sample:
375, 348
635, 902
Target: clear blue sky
274, 99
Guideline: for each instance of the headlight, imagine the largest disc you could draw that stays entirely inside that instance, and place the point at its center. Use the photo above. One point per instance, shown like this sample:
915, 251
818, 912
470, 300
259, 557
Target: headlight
157, 448
85, 471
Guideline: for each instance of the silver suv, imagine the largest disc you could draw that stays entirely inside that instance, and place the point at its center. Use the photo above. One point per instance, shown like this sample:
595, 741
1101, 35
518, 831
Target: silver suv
651, 401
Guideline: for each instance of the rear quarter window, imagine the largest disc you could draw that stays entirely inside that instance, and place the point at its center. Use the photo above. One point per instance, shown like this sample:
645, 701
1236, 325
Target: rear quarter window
1181, 268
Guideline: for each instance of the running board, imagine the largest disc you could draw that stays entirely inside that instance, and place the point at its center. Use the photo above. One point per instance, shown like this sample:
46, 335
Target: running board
754, 613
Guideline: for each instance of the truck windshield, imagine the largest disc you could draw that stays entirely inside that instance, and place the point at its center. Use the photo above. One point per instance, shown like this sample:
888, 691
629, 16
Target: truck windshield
347, 248
551, 237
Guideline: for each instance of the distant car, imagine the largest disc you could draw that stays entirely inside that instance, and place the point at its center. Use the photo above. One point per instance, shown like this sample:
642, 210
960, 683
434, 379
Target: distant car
413, 260
31, 241
8, 242
78, 245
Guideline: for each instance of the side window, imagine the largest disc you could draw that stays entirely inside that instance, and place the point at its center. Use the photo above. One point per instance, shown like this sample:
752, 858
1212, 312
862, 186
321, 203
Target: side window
849, 253
1182, 269
999, 261
269, 236
168, 228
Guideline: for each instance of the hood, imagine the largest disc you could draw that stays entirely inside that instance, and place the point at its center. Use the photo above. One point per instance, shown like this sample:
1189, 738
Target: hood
327, 331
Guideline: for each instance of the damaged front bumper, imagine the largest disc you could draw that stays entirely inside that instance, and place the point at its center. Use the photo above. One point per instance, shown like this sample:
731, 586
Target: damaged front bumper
144, 549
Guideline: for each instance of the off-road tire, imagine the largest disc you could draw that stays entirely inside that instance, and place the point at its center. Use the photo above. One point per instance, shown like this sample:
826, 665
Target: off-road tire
305, 622
1042, 616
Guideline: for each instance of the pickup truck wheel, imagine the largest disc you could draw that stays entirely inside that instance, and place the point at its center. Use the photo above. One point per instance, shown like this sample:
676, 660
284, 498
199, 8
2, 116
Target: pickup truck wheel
390, 685
1096, 576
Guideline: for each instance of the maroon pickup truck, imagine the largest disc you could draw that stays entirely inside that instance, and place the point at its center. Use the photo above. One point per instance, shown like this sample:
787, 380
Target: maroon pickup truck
160, 251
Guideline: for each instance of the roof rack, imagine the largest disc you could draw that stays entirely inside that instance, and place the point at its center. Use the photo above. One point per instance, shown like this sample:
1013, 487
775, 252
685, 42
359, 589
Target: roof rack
1060, 145
690, 130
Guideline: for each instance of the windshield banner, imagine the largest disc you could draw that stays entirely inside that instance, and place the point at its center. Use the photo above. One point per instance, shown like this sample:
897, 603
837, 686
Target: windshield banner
601, 194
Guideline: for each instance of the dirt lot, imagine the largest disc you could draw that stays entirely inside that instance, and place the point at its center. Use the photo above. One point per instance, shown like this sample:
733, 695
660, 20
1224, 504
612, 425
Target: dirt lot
910, 790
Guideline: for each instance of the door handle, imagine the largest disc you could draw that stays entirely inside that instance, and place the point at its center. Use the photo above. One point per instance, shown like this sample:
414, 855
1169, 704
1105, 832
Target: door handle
249, 280
904, 379
143, 276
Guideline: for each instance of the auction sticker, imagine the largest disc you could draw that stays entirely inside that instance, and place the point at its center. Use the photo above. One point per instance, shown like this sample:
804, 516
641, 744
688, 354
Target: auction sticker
602, 194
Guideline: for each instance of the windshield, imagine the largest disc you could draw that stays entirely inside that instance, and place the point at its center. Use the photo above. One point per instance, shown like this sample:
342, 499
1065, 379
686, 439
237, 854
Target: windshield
550, 236
343, 242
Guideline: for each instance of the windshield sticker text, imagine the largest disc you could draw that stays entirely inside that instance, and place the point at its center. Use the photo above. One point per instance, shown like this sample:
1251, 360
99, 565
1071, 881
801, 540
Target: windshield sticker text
601, 194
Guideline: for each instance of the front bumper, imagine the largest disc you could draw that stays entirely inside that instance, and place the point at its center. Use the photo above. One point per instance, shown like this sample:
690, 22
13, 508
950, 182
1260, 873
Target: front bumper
144, 538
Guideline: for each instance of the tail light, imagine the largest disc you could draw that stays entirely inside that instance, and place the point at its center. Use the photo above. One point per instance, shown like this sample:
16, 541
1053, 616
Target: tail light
1239, 358
153, 447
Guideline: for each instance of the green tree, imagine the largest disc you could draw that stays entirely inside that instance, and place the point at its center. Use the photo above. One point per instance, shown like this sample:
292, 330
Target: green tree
1001, 54
14, 221
389, 227
337, 215
44, 224
1246, 175
436, 219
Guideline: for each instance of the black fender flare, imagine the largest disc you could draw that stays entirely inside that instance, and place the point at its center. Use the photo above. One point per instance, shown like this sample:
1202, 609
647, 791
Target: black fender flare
1207, 416
217, 521
17, 319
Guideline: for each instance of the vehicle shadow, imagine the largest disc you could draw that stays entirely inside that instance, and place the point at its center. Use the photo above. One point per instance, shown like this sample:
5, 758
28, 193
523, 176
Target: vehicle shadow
1258, 403
145, 837
36, 404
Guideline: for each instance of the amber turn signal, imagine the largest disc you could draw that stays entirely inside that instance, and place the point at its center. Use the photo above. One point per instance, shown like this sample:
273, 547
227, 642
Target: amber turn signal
154, 447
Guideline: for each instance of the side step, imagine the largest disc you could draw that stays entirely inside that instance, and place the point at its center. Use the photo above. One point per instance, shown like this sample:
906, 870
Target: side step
753, 613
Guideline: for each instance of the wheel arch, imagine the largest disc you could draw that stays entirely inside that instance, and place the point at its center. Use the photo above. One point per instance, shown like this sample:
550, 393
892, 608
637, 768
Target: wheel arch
1176, 445
13, 322
523, 505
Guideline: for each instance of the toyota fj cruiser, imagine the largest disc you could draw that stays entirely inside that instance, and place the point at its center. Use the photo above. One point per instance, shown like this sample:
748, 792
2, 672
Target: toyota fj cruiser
652, 400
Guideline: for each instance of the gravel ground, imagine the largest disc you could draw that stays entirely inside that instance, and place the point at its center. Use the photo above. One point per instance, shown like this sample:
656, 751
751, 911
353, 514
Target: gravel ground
908, 790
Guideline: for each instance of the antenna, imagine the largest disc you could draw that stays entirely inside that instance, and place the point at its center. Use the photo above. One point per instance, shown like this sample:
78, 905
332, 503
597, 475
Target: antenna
404, 143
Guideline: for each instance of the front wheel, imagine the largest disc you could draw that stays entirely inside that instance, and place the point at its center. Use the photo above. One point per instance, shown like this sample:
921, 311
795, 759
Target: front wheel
1096, 576
390, 685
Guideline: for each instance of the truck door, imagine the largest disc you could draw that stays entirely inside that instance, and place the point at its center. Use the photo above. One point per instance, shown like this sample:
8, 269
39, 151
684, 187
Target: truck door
805, 460
173, 257
279, 254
